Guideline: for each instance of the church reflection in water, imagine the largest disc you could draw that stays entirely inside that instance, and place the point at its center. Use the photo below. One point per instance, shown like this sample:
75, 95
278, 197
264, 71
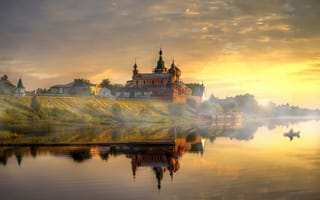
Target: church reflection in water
162, 157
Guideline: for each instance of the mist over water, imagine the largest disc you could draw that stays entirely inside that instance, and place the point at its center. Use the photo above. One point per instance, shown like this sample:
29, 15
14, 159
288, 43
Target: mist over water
255, 161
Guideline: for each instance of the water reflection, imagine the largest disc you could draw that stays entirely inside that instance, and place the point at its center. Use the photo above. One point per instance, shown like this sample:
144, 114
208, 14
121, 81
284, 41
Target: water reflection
248, 162
162, 157
146, 132
190, 139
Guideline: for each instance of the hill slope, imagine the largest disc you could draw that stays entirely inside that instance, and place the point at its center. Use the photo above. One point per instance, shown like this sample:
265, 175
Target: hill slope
16, 113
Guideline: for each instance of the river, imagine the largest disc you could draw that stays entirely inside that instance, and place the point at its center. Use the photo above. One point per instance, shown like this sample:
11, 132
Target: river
250, 162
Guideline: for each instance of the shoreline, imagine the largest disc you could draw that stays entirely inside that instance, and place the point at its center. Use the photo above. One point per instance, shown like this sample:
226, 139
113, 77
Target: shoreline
62, 144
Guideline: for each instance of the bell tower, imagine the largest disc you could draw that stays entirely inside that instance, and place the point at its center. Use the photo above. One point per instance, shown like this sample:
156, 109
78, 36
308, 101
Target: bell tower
135, 68
160, 68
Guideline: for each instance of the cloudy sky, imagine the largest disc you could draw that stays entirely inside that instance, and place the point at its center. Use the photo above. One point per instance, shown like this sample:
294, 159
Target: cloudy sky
266, 48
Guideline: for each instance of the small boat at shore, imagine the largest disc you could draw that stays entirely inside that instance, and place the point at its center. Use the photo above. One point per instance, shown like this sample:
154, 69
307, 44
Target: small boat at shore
291, 134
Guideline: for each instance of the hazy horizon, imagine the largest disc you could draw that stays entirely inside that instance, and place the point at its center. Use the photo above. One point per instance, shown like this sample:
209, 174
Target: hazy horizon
269, 49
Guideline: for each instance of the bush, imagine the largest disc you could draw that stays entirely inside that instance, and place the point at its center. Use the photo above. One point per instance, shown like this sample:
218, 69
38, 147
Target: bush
35, 105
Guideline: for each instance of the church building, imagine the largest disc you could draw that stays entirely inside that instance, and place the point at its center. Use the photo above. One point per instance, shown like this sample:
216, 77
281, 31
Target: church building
20, 90
160, 84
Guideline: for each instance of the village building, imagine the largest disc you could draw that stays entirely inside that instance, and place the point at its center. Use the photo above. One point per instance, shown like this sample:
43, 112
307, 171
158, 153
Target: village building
75, 88
105, 92
61, 89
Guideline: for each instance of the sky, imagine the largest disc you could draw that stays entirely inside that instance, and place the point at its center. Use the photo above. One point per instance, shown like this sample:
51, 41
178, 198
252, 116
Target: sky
266, 48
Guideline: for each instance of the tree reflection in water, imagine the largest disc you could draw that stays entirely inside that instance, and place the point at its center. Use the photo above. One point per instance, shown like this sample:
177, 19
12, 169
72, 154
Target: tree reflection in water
161, 158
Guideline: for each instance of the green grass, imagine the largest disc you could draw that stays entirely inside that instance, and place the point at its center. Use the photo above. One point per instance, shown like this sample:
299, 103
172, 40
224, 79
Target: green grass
17, 114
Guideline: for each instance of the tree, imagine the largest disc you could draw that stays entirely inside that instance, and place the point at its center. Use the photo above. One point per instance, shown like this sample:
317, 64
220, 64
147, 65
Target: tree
6, 87
35, 104
105, 83
4, 78
42, 91
81, 81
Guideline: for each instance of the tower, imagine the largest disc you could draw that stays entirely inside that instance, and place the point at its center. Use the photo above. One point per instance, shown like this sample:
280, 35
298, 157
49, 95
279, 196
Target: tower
159, 175
20, 89
135, 68
160, 68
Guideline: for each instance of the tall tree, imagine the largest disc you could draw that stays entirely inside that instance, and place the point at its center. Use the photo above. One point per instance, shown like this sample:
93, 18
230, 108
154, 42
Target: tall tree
6, 87
105, 83
4, 78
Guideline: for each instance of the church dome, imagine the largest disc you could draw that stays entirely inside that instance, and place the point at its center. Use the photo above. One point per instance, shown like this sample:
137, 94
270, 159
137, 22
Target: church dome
160, 68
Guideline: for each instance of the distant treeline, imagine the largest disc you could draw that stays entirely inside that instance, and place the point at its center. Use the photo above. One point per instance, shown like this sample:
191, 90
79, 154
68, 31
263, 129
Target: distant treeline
248, 105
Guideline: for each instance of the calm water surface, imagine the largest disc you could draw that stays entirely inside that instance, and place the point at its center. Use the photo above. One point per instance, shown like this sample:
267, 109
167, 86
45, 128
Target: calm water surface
261, 164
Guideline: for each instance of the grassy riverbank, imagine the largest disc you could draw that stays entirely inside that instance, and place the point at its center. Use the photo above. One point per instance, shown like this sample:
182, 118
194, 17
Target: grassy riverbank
17, 114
